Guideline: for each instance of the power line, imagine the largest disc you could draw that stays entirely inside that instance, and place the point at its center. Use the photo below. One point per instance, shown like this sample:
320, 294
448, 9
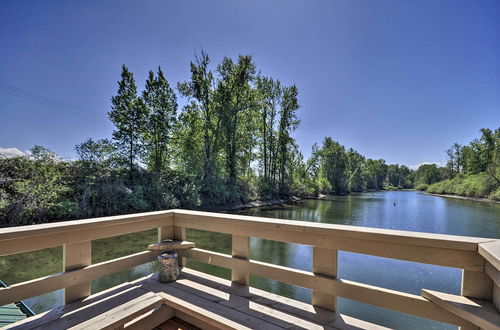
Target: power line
44, 100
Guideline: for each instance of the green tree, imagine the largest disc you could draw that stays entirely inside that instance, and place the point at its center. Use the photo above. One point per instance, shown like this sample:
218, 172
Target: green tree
270, 94
334, 165
357, 182
375, 173
427, 174
129, 117
235, 99
200, 90
287, 124
35, 189
160, 105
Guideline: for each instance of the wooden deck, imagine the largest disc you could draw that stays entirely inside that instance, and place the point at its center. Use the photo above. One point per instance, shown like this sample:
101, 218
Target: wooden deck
13, 312
208, 302
198, 299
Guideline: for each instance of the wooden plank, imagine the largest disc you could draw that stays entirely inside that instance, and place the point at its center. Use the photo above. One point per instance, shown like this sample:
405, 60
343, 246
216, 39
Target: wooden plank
120, 315
108, 296
166, 232
39, 242
476, 285
479, 312
240, 249
324, 263
151, 319
94, 223
194, 321
492, 272
170, 245
491, 252
76, 256
180, 234
187, 217
176, 323
496, 296
385, 298
257, 309
67, 316
54, 282
338, 238
215, 314
221, 290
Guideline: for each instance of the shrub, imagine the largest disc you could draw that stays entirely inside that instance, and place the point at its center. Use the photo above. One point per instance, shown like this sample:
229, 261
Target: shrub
495, 194
422, 187
470, 185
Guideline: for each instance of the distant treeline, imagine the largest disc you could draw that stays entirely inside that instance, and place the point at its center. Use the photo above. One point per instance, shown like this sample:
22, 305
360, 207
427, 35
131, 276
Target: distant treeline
231, 143
472, 170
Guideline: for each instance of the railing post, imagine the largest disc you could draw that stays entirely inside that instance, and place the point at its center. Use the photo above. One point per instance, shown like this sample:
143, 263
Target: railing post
180, 235
165, 233
476, 285
77, 255
240, 249
324, 263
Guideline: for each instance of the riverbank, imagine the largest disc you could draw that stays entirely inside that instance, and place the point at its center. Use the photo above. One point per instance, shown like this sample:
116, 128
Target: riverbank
240, 206
269, 202
474, 199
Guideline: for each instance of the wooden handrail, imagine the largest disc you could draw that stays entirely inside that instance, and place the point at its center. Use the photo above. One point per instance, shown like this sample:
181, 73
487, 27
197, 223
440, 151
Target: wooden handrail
71, 278
386, 298
443, 250
478, 257
187, 217
37, 237
94, 223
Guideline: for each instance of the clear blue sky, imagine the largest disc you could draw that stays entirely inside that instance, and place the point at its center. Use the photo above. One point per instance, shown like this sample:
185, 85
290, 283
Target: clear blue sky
399, 80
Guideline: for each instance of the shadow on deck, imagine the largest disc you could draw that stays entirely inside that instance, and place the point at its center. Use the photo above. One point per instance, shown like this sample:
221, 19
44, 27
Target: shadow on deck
201, 300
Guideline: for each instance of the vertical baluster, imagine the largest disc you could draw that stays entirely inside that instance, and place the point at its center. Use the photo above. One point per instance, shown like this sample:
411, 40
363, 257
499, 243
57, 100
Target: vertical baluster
165, 233
476, 285
324, 263
76, 255
180, 235
240, 249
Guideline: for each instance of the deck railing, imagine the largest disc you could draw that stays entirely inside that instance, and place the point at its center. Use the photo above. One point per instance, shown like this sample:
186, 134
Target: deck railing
479, 258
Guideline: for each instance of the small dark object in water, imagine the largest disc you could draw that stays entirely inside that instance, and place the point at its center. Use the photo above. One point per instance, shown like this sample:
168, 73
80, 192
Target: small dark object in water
394, 204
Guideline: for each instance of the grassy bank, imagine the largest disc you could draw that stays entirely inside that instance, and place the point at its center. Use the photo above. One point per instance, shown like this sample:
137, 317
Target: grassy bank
467, 185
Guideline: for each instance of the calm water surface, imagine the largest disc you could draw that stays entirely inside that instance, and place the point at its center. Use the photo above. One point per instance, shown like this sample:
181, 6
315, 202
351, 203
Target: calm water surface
413, 211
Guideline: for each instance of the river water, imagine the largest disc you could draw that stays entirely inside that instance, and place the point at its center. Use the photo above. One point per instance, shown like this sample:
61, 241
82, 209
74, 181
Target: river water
402, 210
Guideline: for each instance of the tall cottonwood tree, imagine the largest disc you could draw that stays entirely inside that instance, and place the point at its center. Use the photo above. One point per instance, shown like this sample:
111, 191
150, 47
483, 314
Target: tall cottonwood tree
129, 117
160, 105
287, 124
235, 100
270, 93
200, 89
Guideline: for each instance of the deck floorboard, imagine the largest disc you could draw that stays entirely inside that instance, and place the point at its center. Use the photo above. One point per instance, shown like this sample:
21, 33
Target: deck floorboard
198, 301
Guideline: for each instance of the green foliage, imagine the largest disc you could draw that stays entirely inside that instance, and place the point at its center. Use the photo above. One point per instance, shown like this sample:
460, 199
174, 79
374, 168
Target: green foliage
422, 186
428, 174
336, 171
334, 165
128, 114
160, 103
35, 189
357, 182
232, 142
472, 170
471, 185
495, 194
375, 172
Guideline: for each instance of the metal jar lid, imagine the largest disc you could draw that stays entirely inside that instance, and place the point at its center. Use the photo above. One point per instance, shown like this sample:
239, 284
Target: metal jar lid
168, 255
